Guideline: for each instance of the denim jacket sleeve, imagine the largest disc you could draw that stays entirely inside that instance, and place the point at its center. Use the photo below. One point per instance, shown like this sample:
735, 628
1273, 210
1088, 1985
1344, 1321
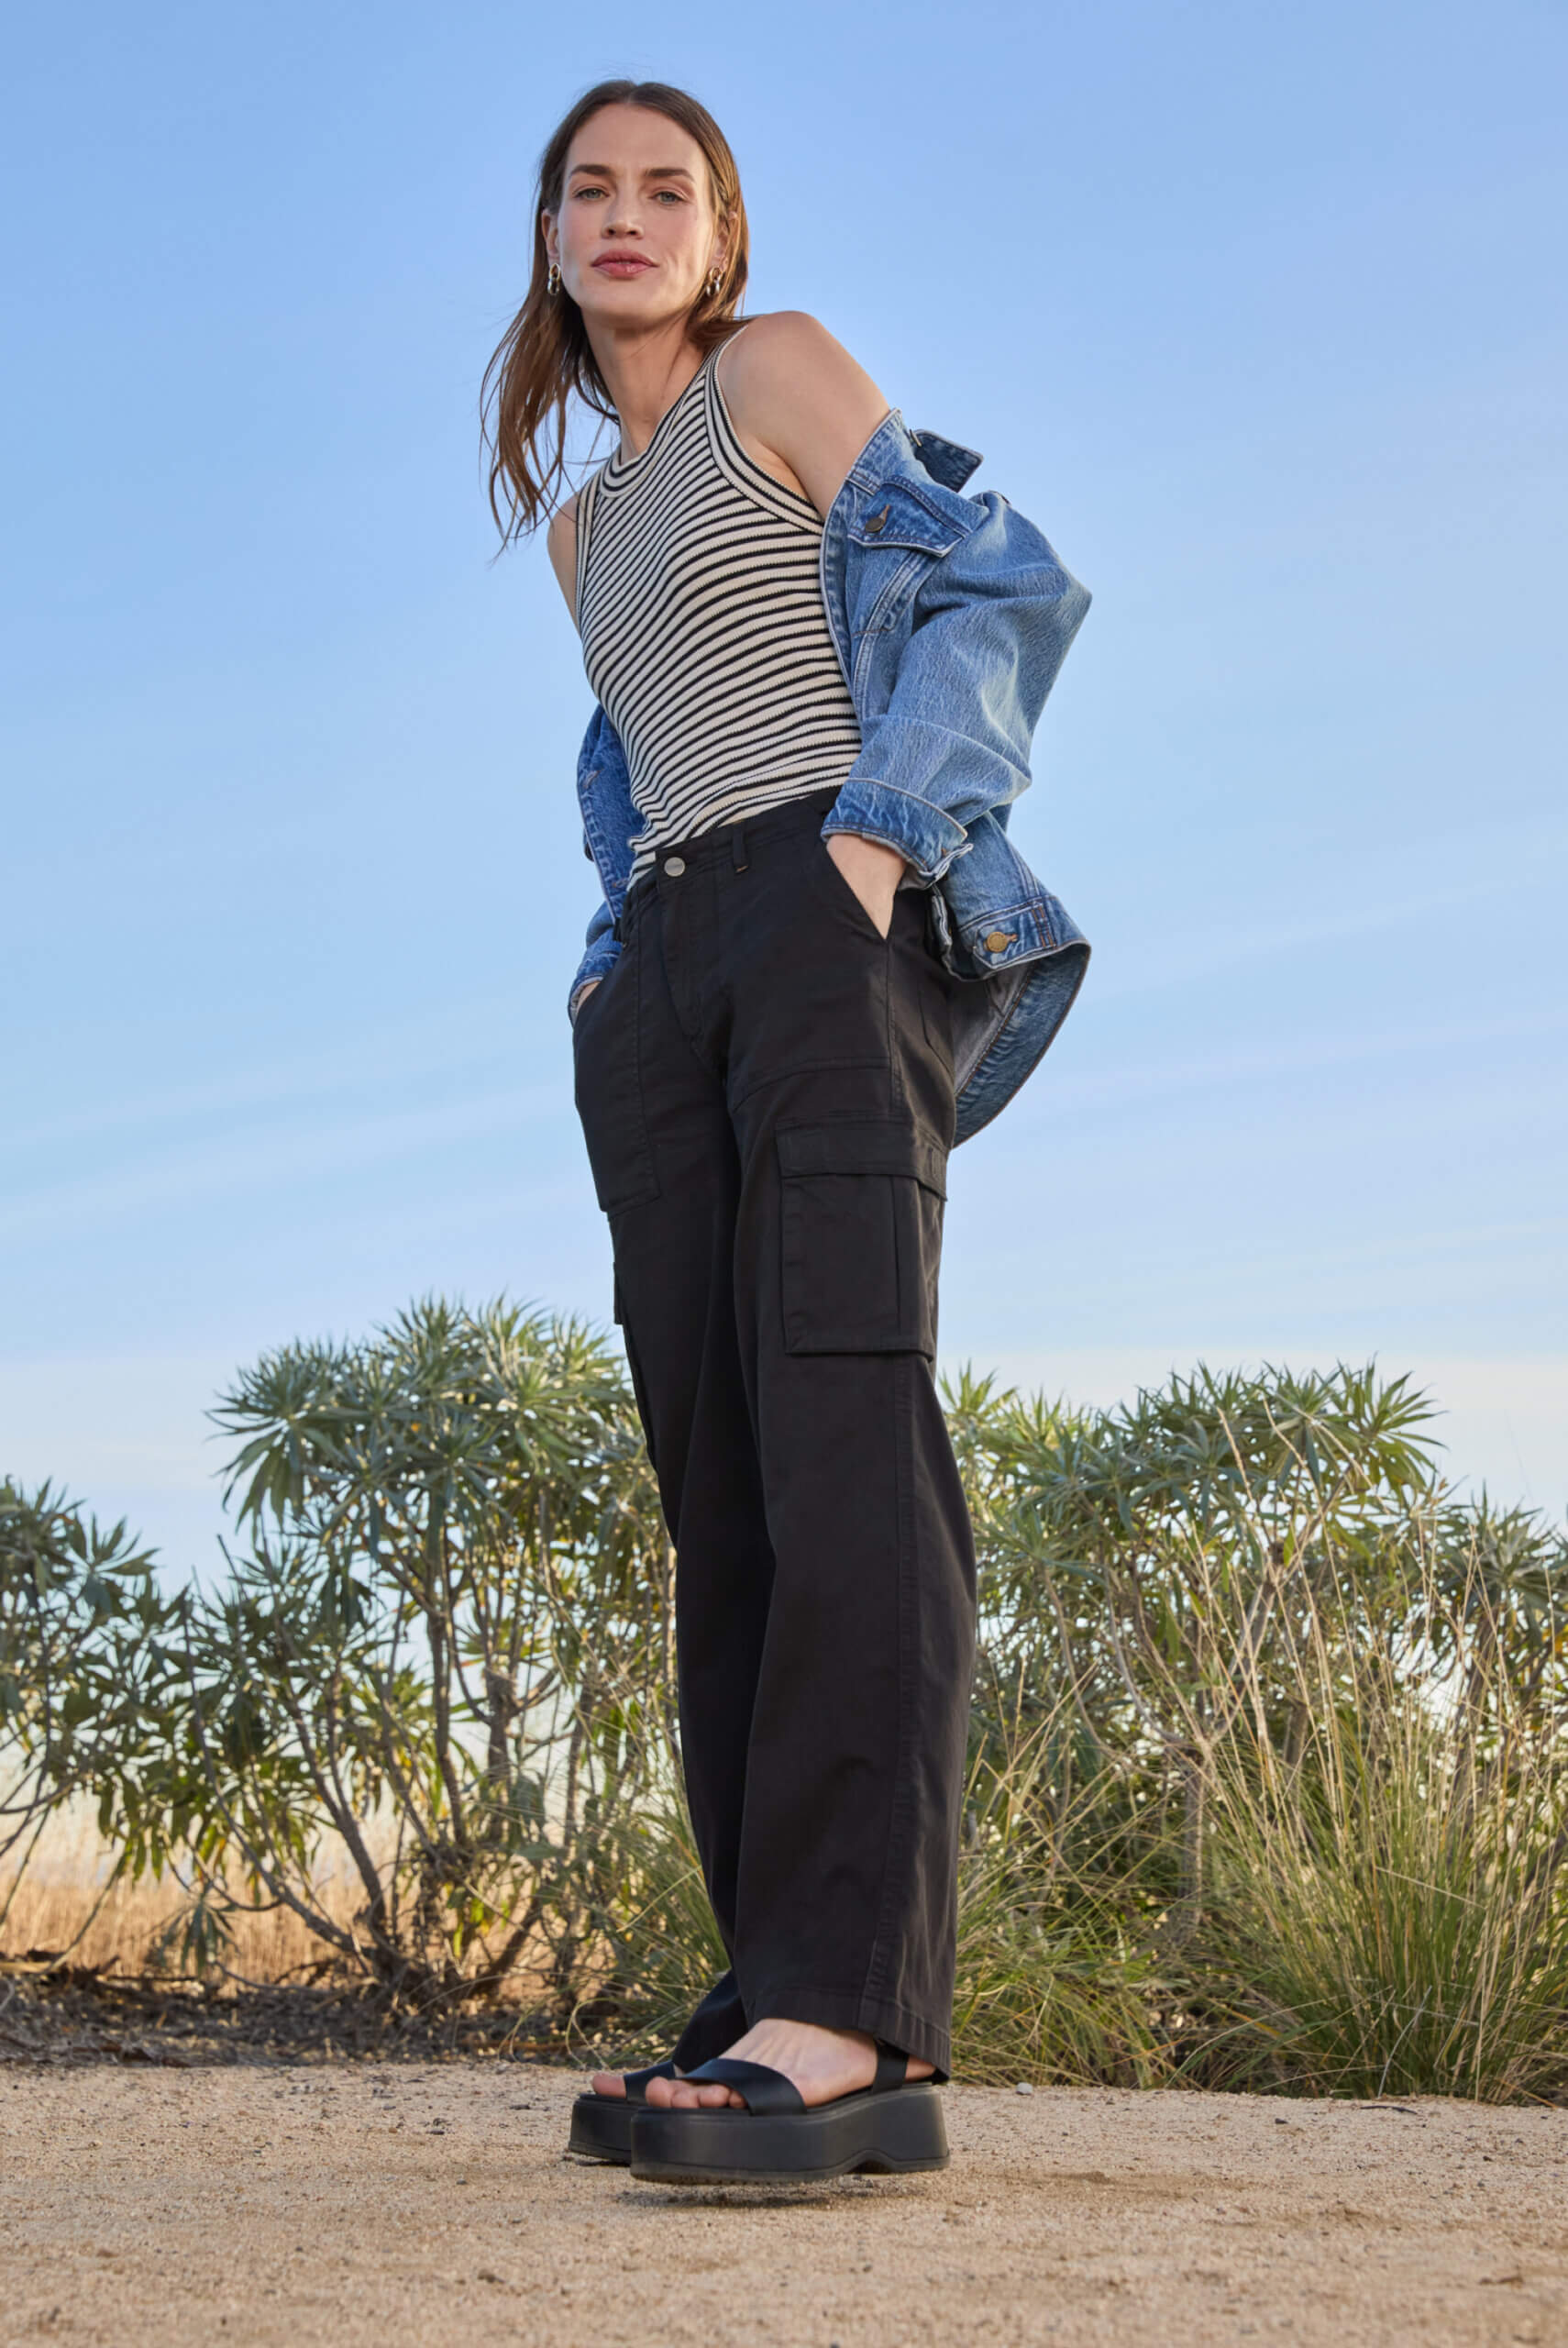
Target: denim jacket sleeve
946, 731
605, 799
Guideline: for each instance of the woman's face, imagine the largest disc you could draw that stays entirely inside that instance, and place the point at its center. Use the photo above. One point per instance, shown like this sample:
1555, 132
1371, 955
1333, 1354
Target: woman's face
637, 234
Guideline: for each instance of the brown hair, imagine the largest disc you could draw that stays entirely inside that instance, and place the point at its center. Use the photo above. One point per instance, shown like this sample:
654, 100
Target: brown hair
544, 355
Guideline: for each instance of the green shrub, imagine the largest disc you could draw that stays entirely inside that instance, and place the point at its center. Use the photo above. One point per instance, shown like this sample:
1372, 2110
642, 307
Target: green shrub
450, 1645
85, 1673
1315, 1769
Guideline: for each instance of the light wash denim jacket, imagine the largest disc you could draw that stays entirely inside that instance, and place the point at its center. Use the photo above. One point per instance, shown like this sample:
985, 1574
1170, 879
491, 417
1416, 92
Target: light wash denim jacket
951, 617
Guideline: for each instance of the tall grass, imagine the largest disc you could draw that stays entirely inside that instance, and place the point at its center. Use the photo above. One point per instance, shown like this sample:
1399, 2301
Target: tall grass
1388, 1912
1056, 1983
75, 1905
1320, 1779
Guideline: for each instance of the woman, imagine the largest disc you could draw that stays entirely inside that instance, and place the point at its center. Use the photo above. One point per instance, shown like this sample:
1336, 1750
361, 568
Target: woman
818, 963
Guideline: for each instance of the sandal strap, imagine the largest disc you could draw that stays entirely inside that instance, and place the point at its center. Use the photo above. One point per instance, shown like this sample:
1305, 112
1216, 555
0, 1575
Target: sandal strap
637, 2081
763, 2091
892, 2068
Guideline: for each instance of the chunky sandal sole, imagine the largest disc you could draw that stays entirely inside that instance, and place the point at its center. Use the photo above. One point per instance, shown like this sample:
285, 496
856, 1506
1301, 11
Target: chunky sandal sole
602, 2124
602, 2128
888, 2132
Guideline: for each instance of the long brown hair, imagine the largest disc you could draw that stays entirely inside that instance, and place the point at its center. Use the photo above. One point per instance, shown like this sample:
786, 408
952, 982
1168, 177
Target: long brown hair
544, 355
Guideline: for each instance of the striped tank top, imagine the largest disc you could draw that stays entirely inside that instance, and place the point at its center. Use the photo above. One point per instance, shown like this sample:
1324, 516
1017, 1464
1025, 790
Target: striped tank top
704, 632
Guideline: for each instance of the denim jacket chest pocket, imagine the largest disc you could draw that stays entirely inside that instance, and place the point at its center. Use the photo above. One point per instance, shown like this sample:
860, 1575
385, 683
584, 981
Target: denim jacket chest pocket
900, 532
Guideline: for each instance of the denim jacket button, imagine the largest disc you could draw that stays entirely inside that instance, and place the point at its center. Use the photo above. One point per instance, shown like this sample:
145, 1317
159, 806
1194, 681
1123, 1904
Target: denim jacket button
878, 521
995, 939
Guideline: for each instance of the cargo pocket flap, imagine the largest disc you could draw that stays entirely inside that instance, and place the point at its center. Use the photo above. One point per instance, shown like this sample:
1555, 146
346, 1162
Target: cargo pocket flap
864, 1146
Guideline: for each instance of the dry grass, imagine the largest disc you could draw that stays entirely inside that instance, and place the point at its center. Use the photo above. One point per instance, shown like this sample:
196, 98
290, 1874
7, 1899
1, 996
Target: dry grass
66, 1906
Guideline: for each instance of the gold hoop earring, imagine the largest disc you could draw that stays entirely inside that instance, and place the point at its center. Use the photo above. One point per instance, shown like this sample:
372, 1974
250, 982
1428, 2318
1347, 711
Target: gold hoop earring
553, 282
715, 279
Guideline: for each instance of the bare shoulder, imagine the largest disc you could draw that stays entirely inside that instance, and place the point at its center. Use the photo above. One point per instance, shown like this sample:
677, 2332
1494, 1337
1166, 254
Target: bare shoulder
560, 538
795, 391
787, 352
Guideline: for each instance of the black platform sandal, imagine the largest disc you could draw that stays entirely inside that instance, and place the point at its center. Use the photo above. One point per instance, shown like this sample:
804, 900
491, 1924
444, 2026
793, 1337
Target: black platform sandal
602, 2124
890, 2128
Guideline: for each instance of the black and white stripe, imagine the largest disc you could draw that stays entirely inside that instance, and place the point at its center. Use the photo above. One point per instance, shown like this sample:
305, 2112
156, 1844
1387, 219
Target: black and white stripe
703, 626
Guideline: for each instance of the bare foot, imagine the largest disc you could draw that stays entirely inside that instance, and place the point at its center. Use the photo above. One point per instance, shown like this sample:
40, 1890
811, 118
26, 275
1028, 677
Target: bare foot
822, 2063
610, 2083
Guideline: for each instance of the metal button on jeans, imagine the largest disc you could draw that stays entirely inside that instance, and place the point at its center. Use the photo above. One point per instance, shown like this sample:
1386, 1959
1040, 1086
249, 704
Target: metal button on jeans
675, 866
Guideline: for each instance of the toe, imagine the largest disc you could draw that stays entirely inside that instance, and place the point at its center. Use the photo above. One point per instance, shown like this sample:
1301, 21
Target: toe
681, 2095
609, 2083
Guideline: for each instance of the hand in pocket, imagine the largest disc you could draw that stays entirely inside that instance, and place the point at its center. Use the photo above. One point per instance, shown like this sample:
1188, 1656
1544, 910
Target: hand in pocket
872, 871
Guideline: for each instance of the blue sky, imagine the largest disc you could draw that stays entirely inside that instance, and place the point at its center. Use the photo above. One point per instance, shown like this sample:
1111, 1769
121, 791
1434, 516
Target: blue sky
1258, 313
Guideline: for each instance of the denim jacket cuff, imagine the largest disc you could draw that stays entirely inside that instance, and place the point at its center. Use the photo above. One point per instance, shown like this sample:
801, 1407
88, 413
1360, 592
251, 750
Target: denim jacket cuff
924, 836
597, 963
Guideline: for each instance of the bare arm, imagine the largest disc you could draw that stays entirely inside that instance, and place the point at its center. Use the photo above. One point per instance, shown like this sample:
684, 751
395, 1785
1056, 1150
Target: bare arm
804, 409
803, 406
561, 540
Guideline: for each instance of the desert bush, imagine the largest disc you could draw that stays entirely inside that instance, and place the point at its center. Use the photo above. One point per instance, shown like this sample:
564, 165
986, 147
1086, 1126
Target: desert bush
1389, 1909
1317, 1765
84, 1672
454, 1616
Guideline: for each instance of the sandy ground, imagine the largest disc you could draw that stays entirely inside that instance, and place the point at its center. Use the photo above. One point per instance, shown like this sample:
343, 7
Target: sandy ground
374, 2203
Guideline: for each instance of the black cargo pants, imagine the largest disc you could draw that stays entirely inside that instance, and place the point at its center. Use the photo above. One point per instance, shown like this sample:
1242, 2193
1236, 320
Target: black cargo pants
765, 1087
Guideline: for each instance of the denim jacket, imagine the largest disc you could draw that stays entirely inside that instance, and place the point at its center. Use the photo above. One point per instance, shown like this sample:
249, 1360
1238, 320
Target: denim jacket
951, 617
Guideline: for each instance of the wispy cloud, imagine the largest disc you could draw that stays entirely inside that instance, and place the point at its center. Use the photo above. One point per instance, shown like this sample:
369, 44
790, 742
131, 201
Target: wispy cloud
262, 1158
463, 1037
1262, 1063
1516, 859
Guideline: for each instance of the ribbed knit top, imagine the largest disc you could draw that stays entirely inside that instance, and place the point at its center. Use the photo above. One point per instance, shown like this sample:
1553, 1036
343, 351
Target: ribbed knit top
700, 607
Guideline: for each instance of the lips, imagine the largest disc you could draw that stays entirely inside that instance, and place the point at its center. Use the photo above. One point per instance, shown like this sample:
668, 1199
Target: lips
622, 265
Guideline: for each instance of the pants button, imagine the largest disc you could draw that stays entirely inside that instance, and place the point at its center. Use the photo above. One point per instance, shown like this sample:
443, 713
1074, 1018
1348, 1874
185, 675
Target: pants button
675, 866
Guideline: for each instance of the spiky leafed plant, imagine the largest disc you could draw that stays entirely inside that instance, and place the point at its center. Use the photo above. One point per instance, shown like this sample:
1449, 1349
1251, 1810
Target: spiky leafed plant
1389, 1912
1269, 1654
84, 1672
1160, 1559
454, 1626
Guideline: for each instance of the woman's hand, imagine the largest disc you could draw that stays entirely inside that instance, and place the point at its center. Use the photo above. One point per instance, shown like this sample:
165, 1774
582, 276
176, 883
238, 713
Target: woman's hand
872, 870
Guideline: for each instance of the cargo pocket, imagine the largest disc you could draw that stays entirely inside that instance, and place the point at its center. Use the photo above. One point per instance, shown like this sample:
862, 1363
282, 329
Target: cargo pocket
862, 1237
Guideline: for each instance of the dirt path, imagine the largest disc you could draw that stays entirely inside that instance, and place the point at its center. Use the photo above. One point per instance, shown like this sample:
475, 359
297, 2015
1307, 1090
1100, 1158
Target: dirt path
374, 2203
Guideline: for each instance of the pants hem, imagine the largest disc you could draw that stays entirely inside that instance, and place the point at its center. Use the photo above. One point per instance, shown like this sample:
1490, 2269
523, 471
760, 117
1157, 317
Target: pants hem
851, 2009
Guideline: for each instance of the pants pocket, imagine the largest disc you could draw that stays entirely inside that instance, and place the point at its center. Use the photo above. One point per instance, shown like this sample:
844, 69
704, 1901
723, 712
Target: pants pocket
848, 905
862, 1236
608, 1087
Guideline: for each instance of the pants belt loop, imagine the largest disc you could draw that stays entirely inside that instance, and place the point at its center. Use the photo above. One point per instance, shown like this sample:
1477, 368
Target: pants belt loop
737, 848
